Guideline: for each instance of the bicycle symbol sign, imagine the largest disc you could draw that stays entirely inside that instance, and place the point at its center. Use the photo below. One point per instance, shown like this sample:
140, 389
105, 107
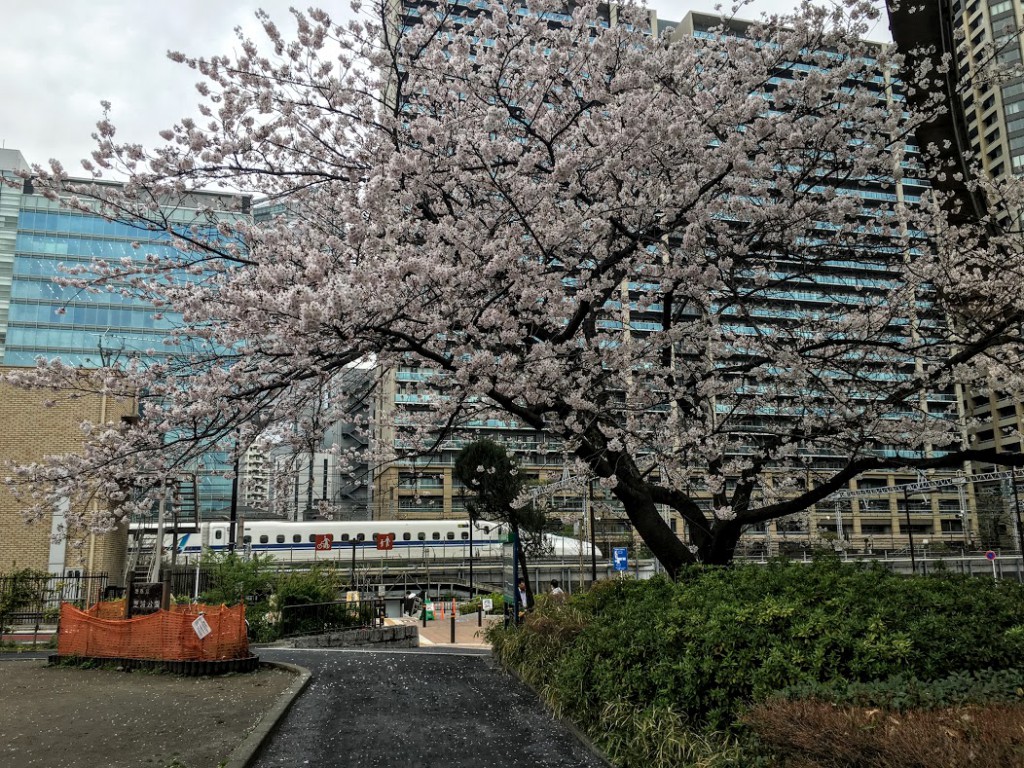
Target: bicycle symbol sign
323, 541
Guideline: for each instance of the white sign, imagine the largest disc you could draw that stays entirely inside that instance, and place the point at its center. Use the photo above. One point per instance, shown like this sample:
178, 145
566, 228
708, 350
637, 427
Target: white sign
488, 604
201, 628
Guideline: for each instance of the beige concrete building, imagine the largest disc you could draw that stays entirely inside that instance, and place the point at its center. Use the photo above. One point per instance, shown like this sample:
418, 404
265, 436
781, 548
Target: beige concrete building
32, 429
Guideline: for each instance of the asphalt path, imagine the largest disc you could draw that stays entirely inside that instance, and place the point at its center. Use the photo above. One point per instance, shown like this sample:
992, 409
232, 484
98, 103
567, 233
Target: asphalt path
417, 708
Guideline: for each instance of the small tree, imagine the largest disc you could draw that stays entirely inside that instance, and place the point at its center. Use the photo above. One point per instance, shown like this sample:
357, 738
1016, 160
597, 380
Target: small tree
494, 482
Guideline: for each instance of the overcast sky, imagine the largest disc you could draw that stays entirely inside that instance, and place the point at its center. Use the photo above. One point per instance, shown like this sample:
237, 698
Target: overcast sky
60, 58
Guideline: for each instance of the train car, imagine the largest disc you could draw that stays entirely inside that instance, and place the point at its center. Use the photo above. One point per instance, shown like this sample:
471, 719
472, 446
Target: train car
409, 539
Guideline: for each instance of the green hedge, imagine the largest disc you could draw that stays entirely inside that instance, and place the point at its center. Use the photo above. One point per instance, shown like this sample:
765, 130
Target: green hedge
902, 692
719, 640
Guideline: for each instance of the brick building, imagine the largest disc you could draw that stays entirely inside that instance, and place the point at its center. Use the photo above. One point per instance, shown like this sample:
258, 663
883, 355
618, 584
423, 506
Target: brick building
31, 430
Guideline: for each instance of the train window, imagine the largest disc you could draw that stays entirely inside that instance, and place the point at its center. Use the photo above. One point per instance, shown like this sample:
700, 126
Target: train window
296, 539
344, 537
450, 536
406, 536
421, 536
435, 536
465, 535
218, 534
375, 536
264, 539
280, 538
361, 536
487, 529
312, 538
247, 539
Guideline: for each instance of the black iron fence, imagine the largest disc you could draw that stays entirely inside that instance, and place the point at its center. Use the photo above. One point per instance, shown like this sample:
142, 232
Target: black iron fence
30, 599
316, 618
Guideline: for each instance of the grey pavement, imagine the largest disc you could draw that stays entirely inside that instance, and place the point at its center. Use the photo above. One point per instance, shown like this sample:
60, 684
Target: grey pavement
417, 708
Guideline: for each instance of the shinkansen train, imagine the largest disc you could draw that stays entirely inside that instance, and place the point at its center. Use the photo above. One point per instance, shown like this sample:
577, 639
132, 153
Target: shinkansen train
329, 540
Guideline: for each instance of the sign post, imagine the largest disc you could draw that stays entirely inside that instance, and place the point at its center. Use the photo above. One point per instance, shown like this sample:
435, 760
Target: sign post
991, 557
620, 558
322, 542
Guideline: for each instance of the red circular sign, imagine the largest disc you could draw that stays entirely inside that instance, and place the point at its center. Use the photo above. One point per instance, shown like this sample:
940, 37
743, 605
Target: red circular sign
990, 555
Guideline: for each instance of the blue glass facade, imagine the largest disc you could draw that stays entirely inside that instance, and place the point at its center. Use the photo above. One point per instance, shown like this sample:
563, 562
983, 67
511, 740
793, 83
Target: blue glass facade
39, 318
50, 320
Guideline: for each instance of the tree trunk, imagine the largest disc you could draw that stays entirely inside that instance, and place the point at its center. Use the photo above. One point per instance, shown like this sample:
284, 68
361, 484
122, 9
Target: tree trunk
720, 547
653, 530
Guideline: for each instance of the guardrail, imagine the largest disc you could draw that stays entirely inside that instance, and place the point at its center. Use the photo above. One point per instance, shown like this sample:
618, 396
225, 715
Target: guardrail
317, 618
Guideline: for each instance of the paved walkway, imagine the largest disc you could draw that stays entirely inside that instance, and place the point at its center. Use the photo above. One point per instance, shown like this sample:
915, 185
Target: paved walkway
469, 630
436, 707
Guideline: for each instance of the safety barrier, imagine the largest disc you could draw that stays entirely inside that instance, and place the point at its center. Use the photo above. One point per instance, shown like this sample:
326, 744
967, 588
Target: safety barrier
164, 635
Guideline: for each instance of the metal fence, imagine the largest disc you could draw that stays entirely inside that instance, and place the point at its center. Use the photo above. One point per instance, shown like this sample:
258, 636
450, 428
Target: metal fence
31, 599
316, 618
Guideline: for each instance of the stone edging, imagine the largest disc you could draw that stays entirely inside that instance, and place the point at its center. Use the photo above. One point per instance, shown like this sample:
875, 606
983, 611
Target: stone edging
245, 752
394, 636
566, 722
184, 668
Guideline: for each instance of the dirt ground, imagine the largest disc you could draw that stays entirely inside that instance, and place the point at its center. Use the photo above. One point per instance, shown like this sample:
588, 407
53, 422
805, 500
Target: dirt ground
64, 717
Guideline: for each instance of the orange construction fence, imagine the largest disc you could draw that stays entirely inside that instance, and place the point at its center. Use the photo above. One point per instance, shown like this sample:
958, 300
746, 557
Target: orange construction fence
165, 635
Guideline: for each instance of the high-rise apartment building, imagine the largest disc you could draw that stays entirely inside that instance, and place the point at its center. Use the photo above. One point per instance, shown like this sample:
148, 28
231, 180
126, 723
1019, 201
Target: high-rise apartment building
872, 517
986, 40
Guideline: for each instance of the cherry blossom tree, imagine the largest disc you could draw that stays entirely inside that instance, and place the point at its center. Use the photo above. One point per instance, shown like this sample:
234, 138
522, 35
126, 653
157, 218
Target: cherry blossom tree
707, 264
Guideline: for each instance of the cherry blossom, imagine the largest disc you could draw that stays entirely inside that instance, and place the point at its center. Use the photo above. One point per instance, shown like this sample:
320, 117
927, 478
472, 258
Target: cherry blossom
708, 265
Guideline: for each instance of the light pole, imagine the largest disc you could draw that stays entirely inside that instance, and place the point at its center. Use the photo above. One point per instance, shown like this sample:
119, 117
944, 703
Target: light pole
910, 531
593, 533
1016, 513
234, 504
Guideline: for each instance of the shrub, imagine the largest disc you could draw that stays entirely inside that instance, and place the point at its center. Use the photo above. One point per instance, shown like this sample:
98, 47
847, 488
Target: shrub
901, 693
816, 733
234, 579
720, 640
473, 605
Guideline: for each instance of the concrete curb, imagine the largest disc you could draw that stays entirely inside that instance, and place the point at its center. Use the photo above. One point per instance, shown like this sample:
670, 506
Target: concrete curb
564, 721
242, 755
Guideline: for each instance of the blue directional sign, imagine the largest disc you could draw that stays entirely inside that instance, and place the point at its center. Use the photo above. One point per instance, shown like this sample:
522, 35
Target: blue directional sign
620, 558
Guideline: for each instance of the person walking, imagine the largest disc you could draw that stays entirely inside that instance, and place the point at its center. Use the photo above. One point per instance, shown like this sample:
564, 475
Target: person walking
556, 592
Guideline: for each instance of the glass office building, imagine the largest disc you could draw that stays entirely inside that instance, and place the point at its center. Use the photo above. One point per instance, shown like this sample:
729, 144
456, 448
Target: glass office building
39, 318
